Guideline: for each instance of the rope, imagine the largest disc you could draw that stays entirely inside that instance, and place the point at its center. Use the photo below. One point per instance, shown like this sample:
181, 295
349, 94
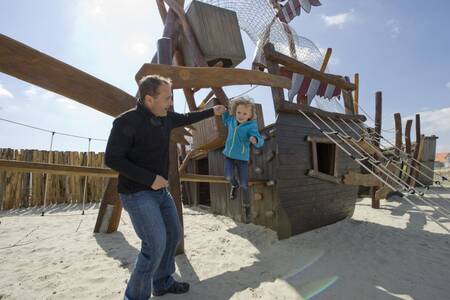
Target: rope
359, 161
445, 212
395, 147
246, 92
52, 131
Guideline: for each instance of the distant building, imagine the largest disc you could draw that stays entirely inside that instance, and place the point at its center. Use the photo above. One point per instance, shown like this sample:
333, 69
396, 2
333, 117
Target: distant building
442, 160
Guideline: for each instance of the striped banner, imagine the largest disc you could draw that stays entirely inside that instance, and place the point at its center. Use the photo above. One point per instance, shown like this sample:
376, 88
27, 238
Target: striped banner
303, 86
292, 8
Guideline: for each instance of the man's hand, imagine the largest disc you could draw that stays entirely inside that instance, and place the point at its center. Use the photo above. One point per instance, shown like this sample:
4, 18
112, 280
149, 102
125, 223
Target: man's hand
159, 183
219, 109
253, 140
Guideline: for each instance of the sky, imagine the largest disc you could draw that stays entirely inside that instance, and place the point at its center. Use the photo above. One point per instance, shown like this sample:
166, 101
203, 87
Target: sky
397, 47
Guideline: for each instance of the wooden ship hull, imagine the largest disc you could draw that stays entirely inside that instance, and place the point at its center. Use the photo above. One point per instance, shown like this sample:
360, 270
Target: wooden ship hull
295, 179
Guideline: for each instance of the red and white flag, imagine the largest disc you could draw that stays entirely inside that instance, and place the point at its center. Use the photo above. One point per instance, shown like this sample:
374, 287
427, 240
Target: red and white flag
292, 8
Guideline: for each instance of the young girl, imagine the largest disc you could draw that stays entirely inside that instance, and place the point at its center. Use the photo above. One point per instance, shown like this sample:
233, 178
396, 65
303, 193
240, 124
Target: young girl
242, 130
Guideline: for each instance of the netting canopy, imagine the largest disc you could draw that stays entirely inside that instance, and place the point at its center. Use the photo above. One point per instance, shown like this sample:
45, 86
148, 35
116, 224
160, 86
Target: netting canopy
257, 18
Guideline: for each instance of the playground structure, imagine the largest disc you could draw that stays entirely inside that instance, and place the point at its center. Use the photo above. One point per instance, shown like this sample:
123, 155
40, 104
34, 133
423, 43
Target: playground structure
313, 162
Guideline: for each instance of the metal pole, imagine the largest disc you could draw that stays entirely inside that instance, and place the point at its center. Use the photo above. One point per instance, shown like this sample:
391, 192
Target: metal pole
85, 177
47, 175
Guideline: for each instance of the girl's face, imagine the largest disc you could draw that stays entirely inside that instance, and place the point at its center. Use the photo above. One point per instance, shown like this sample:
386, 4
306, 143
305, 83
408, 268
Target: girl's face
243, 113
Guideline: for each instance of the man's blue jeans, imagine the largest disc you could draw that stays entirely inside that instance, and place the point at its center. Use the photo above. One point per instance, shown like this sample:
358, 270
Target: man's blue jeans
155, 220
242, 167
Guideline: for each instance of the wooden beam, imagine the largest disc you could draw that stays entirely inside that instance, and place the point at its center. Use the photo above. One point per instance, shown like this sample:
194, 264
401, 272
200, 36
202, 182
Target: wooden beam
165, 58
323, 176
25, 63
356, 94
301, 68
215, 179
162, 10
318, 139
274, 69
55, 169
360, 179
326, 59
206, 99
188, 93
204, 77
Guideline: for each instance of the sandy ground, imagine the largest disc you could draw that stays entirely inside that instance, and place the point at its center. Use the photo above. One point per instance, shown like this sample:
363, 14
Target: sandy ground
390, 253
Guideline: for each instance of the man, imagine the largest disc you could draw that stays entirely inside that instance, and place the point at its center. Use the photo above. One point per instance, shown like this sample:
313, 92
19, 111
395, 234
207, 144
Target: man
138, 148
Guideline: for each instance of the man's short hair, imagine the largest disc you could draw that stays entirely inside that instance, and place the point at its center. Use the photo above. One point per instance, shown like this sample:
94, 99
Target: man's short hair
149, 85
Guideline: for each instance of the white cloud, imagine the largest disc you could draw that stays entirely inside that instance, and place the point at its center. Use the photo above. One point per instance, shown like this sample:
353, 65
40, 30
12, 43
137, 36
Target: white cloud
338, 20
5, 93
140, 48
448, 84
394, 26
31, 91
433, 123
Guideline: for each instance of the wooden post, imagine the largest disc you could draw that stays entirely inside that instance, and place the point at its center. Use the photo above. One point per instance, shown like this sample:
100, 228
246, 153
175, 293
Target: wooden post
378, 115
165, 57
326, 59
274, 68
398, 133
408, 136
416, 150
108, 217
356, 94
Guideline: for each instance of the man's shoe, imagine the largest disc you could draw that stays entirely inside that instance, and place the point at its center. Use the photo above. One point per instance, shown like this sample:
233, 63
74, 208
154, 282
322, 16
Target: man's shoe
175, 288
233, 192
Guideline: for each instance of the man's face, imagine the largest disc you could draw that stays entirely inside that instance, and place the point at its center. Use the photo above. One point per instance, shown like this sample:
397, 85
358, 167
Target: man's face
160, 104
243, 113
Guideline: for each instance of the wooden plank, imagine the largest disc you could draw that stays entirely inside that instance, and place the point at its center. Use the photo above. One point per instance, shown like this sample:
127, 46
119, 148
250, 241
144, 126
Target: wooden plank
25, 63
55, 169
360, 179
323, 176
214, 179
203, 77
301, 68
319, 139
293, 108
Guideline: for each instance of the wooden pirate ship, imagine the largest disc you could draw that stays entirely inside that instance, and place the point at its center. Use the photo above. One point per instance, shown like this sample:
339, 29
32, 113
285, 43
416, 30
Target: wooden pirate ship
309, 171
296, 178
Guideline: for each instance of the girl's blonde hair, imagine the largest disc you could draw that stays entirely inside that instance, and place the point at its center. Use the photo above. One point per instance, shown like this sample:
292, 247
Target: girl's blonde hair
244, 100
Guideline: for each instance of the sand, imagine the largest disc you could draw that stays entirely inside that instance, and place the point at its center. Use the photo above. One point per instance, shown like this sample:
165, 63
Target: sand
390, 253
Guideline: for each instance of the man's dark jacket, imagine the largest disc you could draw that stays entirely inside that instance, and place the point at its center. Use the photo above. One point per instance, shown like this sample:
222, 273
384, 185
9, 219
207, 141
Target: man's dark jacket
138, 145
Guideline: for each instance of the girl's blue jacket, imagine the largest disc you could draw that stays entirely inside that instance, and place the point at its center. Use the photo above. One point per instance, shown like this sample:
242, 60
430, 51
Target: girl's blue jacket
237, 145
